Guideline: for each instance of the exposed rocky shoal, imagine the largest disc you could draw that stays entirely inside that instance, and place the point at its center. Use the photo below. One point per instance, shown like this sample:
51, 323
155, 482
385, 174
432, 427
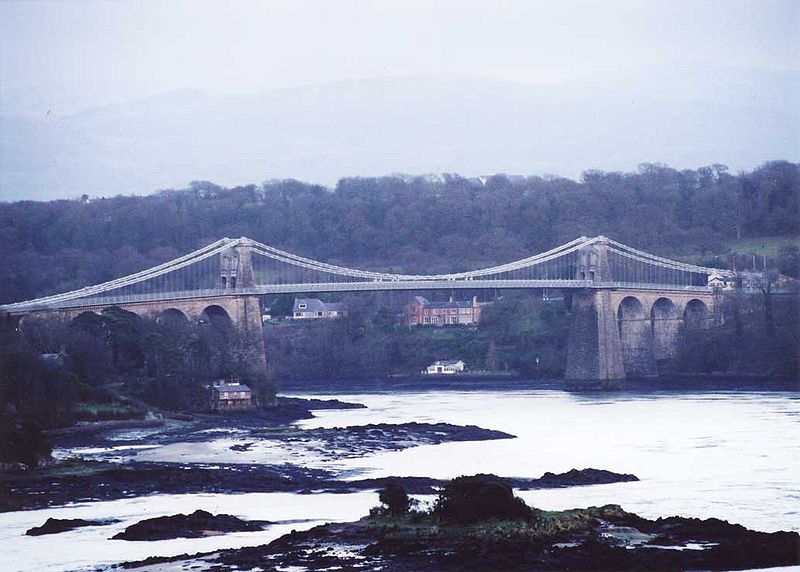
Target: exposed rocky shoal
597, 538
195, 525
108, 481
57, 525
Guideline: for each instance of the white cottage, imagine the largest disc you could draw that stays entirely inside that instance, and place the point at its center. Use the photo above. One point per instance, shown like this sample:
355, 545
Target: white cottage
444, 367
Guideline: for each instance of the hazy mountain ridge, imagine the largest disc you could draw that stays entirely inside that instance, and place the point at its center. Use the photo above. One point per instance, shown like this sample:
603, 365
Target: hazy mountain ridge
410, 124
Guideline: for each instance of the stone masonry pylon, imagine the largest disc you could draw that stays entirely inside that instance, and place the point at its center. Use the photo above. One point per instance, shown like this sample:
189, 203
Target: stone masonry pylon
594, 350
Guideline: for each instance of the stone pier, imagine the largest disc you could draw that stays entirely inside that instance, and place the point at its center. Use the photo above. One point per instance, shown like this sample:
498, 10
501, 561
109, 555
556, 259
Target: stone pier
594, 352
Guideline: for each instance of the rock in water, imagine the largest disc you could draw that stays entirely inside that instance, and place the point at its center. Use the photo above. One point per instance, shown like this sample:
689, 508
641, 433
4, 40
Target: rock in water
56, 525
198, 524
575, 477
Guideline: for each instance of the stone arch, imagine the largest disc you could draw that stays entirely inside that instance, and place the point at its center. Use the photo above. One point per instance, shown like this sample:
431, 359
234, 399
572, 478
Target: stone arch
636, 337
630, 308
119, 310
172, 317
665, 320
215, 315
90, 314
88, 321
696, 314
23, 320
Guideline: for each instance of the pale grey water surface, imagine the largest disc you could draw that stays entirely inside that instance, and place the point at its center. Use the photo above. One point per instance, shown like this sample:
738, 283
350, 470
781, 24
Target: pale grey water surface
730, 455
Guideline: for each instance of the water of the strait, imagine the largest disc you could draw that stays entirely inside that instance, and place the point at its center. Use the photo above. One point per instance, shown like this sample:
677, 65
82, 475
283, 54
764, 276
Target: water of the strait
730, 455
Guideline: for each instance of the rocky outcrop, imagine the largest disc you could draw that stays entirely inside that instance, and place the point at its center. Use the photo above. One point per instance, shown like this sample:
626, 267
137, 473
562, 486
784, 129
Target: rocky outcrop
599, 538
56, 525
196, 525
575, 478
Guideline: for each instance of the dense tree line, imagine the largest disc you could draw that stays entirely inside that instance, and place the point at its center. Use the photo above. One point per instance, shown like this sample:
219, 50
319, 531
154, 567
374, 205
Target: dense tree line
111, 365
759, 335
518, 332
398, 223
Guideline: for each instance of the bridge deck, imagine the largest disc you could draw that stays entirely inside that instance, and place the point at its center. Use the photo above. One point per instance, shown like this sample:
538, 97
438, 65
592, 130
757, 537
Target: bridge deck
362, 286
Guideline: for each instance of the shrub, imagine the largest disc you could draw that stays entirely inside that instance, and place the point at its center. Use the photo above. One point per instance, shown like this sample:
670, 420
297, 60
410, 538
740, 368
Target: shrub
394, 496
467, 500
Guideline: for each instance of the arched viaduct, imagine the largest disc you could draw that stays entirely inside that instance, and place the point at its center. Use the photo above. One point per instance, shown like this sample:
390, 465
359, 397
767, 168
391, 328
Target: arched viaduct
619, 333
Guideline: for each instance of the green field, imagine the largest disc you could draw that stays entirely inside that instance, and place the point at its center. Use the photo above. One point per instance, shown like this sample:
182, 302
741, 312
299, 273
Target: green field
761, 246
768, 245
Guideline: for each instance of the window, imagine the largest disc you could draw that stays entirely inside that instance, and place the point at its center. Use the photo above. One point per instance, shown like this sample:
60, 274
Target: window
454, 311
425, 311
453, 320
298, 314
302, 305
427, 320
319, 314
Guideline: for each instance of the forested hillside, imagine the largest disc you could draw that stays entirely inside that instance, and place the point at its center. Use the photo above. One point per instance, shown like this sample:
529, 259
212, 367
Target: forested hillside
402, 223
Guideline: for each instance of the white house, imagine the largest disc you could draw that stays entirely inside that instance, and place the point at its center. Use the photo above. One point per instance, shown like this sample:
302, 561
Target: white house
314, 309
718, 281
445, 367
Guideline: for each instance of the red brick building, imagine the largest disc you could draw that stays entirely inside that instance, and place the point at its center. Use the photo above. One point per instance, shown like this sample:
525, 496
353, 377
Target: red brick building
422, 312
230, 395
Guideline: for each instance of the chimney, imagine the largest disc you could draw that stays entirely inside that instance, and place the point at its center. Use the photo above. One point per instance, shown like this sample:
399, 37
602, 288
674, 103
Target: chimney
474, 301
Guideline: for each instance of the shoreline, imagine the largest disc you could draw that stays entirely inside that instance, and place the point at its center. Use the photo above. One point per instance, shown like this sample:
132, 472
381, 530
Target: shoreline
667, 383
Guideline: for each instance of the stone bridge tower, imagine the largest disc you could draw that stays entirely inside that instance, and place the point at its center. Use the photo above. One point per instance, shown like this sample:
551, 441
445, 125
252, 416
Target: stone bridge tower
593, 262
236, 268
594, 351
236, 278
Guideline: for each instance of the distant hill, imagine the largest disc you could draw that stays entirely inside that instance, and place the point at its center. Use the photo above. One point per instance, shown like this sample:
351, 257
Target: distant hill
684, 117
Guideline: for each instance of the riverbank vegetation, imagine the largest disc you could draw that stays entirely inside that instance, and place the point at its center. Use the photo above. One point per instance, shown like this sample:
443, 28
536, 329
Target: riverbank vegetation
759, 335
112, 365
518, 333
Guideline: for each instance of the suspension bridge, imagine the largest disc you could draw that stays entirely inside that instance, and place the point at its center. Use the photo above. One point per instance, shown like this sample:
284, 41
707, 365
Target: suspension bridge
628, 305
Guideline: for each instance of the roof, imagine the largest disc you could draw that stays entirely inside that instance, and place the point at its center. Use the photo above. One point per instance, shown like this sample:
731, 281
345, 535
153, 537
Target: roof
315, 305
232, 387
456, 304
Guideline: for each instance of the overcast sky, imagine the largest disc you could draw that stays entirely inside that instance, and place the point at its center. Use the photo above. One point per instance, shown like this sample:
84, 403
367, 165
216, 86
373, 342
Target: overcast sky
73, 53
383, 86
